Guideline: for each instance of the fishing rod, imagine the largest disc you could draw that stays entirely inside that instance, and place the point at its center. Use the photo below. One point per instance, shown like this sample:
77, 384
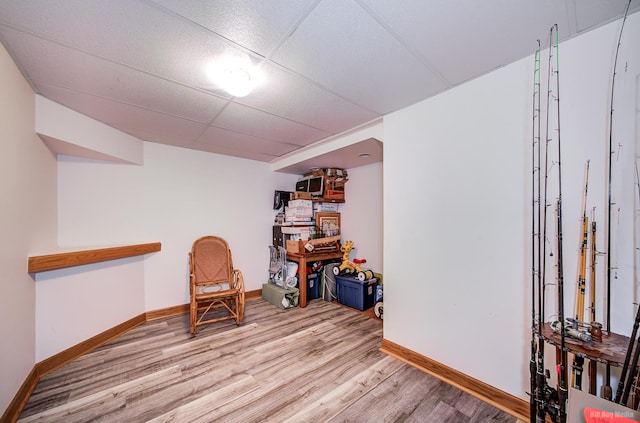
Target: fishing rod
593, 366
581, 285
606, 392
632, 340
625, 368
592, 278
535, 395
539, 387
562, 371
546, 396
632, 365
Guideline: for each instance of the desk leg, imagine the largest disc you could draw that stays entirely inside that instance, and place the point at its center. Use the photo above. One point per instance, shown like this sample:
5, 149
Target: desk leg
302, 282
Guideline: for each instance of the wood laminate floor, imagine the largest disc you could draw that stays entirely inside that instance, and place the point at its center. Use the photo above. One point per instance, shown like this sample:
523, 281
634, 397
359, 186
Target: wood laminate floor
318, 364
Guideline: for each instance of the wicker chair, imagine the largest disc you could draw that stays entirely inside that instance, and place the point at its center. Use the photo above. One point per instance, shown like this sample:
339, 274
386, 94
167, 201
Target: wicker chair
216, 288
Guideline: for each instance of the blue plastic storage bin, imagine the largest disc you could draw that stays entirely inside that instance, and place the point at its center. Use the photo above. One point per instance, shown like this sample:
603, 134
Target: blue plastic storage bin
355, 293
313, 286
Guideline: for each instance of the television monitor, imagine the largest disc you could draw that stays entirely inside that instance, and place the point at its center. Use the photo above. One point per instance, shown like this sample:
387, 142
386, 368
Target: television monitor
302, 185
316, 186
281, 199
311, 184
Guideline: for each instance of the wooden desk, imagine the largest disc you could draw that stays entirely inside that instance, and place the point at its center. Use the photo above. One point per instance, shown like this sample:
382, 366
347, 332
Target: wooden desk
302, 260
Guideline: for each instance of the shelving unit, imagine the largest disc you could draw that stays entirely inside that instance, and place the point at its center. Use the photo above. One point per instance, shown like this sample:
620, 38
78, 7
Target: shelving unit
333, 181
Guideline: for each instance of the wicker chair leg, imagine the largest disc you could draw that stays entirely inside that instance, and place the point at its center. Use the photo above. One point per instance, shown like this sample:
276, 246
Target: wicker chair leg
193, 315
237, 309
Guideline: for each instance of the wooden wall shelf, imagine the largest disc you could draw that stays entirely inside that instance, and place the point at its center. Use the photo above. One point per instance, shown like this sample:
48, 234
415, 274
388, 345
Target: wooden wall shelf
611, 350
76, 258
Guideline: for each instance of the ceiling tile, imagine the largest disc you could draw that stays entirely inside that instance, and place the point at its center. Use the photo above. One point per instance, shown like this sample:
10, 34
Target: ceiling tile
221, 138
159, 43
465, 39
142, 123
294, 97
347, 51
254, 24
254, 122
251, 155
56, 65
230, 151
593, 13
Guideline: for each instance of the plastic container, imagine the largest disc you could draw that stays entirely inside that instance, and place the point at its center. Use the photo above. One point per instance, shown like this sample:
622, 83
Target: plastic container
355, 293
313, 286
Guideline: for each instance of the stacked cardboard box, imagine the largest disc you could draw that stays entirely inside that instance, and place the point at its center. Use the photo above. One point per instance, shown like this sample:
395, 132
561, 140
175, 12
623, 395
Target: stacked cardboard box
334, 182
299, 211
301, 195
326, 207
299, 232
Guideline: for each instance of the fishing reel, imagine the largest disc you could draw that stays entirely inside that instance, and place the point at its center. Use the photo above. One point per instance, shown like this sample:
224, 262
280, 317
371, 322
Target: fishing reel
570, 330
550, 398
594, 328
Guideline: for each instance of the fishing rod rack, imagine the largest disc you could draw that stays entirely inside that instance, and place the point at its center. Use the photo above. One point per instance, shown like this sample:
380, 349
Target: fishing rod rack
610, 350
583, 340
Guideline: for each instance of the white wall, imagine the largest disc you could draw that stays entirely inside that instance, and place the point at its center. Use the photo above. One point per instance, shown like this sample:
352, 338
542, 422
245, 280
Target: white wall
455, 204
361, 214
176, 196
74, 304
27, 223
457, 208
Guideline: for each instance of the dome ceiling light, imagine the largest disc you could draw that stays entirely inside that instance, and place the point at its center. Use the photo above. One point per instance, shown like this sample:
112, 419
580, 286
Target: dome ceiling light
236, 75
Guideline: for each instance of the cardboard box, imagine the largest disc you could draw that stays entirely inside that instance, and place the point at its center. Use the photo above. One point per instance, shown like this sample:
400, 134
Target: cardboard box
334, 182
303, 203
330, 174
336, 185
298, 211
316, 172
300, 246
326, 207
334, 190
301, 195
336, 174
334, 194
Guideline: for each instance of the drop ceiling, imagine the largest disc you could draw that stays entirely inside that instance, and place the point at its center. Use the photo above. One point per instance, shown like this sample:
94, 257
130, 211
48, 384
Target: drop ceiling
329, 65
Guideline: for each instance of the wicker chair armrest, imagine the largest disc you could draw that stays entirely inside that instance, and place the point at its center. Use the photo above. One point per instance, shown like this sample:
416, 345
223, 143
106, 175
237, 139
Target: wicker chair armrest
238, 280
